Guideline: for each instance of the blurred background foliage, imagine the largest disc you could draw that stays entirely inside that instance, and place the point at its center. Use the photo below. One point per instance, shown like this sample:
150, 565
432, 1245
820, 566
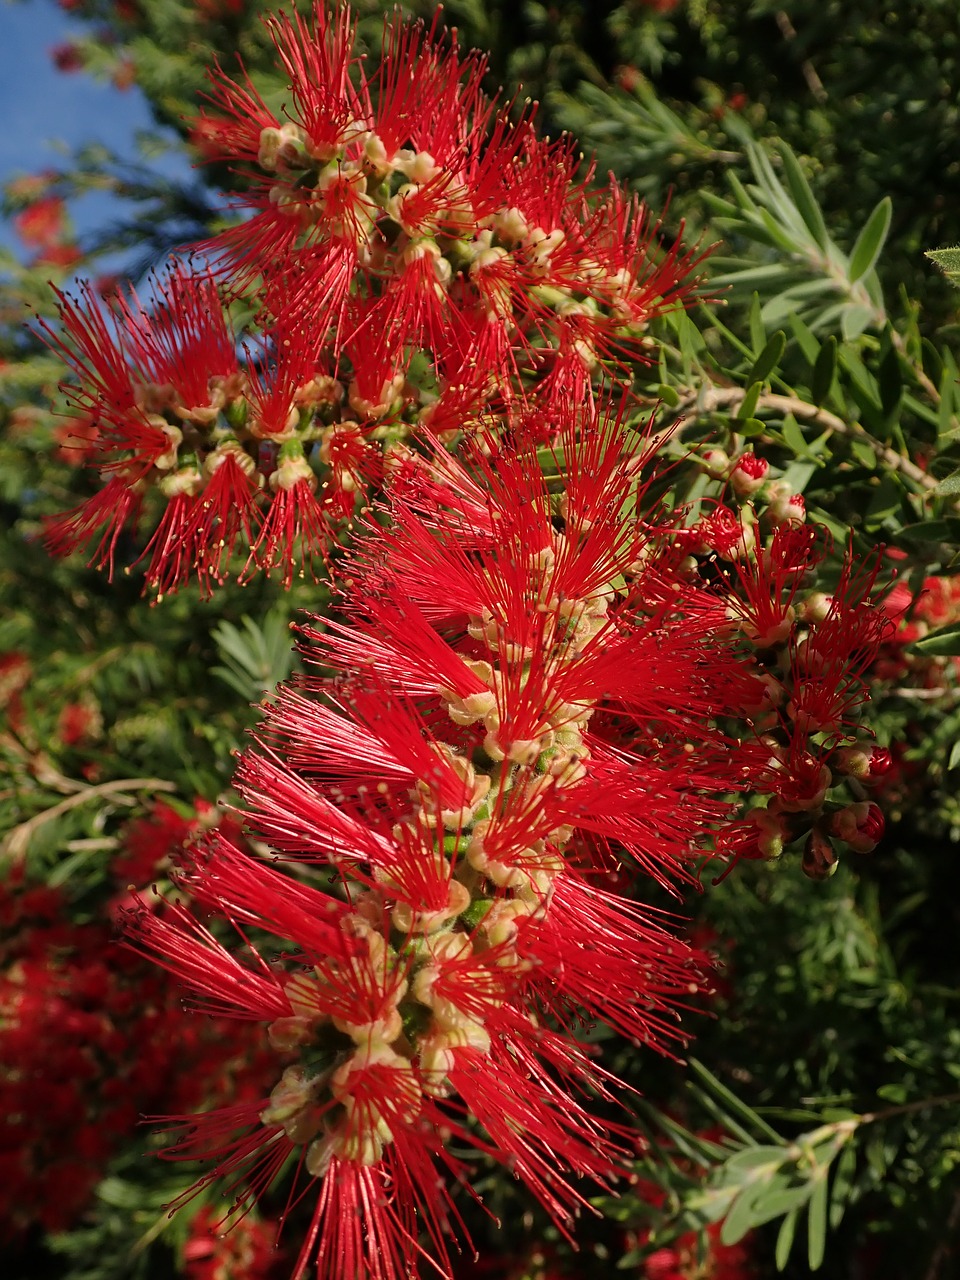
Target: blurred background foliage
816, 141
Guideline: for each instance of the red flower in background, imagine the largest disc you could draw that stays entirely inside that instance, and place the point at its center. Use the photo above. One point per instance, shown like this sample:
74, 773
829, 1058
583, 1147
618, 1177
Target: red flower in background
43, 223
90, 1040
700, 1256
67, 57
247, 1252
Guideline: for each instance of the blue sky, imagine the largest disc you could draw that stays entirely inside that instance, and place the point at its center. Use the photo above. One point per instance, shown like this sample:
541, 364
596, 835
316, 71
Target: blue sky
44, 111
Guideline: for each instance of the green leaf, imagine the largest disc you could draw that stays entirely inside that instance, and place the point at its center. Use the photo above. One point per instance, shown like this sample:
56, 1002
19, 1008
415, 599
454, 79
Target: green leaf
756, 1158
896, 1093
785, 1238
758, 332
751, 426
870, 240
929, 531
769, 358
817, 1223
842, 1184
943, 643
803, 197
733, 1103
824, 371
946, 424
805, 339
864, 454
793, 436
748, 404
780, 1202
855, 320
884, 501
739, 1219
954, 759
948, 260
948, 486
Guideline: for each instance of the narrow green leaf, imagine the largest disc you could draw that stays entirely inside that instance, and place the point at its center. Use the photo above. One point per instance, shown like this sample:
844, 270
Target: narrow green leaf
758, 332
798, 475
927, 531
748, 404
931, 360
699, 1150
864, 454
781, 238
769, 358
756, 1158
824, 371
842, 1184
807, 343
731, 1100
948, 396
855, 320
744, 200
668, 395
780, 1202
870, 240
954, 759
773, 273
739, 1219
861, 377
895, 1093
943, 643
817, 1223
793, 436
785, 1238
803, 197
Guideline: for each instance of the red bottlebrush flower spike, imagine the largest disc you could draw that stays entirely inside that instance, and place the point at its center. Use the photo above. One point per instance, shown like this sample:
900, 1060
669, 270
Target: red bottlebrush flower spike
461, 779
410, 251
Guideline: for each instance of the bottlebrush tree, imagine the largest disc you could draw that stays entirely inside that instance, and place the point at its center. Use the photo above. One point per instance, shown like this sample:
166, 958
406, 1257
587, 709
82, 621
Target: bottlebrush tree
575, 650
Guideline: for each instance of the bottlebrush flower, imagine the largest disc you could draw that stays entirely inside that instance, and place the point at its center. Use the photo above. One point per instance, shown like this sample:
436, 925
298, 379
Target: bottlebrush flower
527, 694
408, 185
191, 421
410, 247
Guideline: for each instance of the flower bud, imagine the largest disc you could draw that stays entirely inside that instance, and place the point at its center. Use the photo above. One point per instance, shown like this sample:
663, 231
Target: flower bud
860, 825
749, 474
819, 856
785, 506
716, 462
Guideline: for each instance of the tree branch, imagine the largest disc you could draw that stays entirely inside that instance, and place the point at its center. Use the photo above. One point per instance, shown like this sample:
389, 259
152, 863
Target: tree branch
16, 841
696, 404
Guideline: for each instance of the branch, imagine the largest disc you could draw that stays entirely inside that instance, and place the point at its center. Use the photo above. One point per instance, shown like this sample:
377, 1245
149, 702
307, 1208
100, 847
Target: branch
16, 841
814, 83
696, 404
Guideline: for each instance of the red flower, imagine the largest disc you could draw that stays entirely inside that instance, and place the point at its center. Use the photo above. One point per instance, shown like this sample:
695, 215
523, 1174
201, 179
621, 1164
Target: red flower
78, 722
248, 1250
462, 780
67, 57
75, 1015
43, 223
59, 255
